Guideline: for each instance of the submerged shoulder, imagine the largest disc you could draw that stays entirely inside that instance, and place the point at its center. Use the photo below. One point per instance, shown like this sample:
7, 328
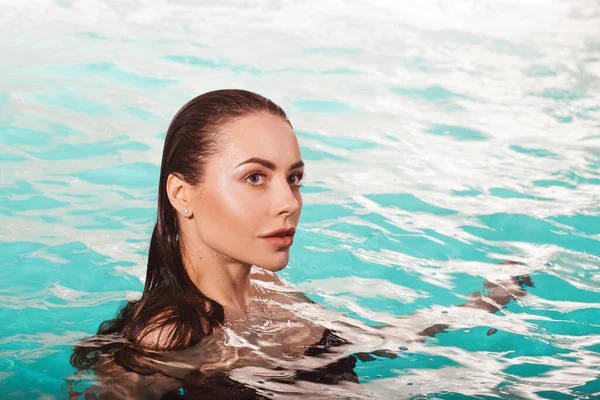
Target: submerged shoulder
162, 337
277, 288
174, 326
262, 275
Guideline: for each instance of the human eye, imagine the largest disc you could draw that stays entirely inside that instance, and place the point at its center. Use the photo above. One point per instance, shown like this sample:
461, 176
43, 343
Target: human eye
256, 178
296, 179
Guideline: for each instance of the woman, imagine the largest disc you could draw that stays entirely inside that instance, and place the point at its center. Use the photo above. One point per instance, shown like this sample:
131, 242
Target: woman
228, 199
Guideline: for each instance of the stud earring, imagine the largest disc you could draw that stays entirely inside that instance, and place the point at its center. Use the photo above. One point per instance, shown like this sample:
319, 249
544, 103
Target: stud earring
185, 212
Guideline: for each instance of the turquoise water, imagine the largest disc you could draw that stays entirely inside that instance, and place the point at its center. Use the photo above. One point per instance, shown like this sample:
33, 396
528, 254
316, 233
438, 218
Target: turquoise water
440, 138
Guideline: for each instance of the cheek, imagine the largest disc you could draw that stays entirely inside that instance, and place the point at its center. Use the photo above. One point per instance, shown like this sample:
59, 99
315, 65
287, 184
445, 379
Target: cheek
233, 209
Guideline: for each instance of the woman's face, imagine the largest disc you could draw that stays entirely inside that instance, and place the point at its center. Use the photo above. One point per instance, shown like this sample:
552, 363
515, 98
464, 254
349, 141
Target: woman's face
251, 189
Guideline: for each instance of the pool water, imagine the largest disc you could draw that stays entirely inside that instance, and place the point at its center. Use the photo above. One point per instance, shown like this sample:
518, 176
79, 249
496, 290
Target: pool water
441, 138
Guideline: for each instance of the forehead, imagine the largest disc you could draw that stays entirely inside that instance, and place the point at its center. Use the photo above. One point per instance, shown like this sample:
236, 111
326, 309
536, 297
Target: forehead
260, 135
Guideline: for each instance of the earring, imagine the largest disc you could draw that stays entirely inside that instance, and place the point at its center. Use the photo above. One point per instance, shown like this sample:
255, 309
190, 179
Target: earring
185, 212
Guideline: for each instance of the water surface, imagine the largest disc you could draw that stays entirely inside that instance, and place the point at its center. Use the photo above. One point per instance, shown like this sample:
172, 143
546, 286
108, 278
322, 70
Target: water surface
441, 138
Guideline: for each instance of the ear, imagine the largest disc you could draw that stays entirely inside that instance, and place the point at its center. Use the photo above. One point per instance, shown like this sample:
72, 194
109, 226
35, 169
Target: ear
180, 195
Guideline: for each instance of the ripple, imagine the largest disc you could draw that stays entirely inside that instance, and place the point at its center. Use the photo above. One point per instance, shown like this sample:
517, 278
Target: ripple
140, 113
316, 155
431, 93
457, 132
192, 61
515, 49
136, 175
74, 103
321, 106
363, 287
332, 50
9, 157
408, 202
90, 150
92, 35
23, 136
559, 94
33, 203
539, 70
588, 224
505, 193
542, 153
340, 143
503, 227
105, 71
341, 71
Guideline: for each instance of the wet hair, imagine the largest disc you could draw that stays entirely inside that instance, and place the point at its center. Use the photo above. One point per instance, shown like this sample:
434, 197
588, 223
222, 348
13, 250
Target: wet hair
172, 308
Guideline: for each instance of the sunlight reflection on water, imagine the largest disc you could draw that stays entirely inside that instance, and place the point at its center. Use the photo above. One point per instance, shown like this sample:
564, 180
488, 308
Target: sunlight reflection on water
441, 138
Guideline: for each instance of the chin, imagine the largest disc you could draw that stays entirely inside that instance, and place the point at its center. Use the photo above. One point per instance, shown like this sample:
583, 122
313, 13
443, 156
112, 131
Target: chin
278, 268
275, 263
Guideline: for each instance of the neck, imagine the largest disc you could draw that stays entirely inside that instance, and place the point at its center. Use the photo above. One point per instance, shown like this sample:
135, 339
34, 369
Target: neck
224, 280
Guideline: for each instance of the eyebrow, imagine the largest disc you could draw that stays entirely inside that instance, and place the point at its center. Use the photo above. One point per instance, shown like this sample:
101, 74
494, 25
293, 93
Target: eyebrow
269, 164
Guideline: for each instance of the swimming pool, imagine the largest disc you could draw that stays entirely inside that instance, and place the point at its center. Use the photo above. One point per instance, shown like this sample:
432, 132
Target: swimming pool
440, 139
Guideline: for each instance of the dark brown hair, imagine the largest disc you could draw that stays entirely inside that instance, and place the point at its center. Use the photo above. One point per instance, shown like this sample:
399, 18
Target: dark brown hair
171, 305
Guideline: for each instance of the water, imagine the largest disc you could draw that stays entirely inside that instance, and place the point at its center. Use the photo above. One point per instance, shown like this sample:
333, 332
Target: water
441, 138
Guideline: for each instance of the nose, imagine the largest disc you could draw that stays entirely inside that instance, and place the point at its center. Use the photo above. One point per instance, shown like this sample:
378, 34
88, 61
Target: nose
286, 200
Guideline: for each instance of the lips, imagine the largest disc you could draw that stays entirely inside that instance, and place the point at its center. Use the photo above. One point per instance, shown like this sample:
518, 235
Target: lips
280, 241
281, 237
281, 232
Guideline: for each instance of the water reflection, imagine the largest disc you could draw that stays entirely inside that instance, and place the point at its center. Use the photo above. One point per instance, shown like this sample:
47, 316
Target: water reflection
288, 345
